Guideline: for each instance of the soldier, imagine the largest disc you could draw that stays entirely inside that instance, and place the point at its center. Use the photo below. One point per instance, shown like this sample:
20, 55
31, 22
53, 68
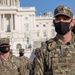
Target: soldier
59, 55
26, 61
9, 64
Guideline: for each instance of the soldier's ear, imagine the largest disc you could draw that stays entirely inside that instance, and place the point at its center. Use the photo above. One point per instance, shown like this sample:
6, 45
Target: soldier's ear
73, 22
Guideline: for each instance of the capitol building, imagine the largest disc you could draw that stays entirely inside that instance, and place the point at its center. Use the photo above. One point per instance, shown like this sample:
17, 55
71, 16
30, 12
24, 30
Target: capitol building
23, 27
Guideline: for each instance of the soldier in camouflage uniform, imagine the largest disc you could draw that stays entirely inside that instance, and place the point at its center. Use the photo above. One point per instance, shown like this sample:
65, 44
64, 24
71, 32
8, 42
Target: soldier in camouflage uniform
26, 61
57, 55
9, 64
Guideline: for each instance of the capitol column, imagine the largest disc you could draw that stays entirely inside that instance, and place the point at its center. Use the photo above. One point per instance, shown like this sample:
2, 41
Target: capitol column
18, 3
11, 2
8, 2
3, 2
14, 2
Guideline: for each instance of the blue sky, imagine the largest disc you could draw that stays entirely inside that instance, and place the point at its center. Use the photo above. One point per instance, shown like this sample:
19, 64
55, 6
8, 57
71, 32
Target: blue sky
47, 5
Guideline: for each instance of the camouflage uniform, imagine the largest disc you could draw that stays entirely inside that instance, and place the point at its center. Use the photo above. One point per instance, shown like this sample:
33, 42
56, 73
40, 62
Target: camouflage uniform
10, 66
55, 57
26, 62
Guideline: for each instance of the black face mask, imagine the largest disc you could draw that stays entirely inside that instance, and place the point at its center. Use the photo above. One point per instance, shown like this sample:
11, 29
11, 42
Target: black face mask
21, 54
4, 49
62, 27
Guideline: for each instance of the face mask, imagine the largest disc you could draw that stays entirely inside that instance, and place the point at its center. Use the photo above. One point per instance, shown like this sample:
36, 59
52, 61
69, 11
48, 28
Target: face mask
4, 49
21, 54
62, 27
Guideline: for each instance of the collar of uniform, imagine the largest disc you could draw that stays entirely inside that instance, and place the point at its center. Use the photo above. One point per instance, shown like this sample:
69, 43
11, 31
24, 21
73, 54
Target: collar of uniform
60, 42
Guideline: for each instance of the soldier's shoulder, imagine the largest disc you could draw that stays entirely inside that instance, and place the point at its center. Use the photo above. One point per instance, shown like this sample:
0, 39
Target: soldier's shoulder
51, 44
50, 40
13, 58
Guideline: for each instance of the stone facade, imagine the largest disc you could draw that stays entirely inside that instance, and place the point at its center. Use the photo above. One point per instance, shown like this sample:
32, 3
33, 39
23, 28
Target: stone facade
23, 27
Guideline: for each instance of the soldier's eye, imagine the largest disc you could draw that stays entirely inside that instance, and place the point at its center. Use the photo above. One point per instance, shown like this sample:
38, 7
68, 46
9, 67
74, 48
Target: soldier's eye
66, 18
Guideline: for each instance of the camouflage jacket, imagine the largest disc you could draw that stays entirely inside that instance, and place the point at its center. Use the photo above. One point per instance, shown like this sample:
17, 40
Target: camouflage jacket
11, 66
56, 58
26, 63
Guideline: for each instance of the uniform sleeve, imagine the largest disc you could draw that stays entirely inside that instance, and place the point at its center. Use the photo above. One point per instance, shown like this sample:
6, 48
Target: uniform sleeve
39, 61
38, 67
43, 58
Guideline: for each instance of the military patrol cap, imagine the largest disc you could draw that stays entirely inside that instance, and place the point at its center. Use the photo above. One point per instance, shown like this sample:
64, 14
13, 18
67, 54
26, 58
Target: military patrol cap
4, 41
63, 10
21, 50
